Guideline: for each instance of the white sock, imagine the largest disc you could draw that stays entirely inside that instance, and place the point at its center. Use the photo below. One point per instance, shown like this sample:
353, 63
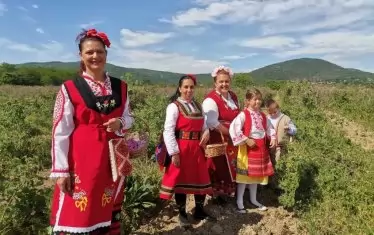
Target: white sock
253, 195
240, 194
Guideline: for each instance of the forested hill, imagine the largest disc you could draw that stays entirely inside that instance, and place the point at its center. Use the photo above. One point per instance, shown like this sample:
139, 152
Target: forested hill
53, 73
145, 75
310, 69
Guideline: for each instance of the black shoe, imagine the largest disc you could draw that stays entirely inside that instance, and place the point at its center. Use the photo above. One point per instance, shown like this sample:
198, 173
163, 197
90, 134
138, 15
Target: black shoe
183, 220
219, 200
200, 214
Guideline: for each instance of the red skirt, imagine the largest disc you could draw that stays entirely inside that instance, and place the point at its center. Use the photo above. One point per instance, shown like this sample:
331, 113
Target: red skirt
191, 177
259, 163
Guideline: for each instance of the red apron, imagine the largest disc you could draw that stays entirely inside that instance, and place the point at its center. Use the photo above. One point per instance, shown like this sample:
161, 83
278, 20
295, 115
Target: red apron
222, 168
96, 200
192, 175
259, 163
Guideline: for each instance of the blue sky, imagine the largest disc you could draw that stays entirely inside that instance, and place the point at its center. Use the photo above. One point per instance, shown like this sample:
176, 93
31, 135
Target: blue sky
192, 36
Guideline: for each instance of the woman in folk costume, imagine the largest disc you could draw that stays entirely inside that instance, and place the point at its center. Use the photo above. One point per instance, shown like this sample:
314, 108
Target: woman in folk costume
184, 135
89, 111
221, 106
251, 130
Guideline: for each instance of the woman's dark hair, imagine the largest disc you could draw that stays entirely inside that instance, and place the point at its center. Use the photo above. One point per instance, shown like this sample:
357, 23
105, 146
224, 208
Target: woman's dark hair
177, 93
80, 39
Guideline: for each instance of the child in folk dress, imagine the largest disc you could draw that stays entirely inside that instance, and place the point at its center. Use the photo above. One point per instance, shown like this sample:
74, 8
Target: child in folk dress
250, 130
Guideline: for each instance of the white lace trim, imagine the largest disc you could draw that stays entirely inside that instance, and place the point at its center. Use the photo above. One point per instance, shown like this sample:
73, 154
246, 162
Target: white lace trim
59, 174
68, 229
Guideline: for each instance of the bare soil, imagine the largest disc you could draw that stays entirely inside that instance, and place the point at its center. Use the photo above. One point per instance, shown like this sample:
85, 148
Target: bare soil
357, 133
276, 220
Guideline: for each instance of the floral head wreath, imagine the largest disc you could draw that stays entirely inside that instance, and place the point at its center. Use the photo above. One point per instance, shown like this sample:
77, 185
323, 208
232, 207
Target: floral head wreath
101, 35
222, 68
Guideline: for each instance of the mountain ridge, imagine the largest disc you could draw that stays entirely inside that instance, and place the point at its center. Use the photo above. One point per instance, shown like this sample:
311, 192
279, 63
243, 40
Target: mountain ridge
311, 69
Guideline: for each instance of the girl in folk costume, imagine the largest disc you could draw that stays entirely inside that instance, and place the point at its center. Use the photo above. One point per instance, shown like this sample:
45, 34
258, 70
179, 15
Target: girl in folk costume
184, 135
250, 130
221, 106
89, 111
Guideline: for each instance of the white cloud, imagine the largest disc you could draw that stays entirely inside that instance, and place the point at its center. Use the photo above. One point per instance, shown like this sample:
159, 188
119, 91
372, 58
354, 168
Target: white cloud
142, 38
29, 19
20, 52
305, 15
238, 57
162, 61
272, 42
40, 30
35, 6
22, 8
342, 44
3, 8
90, 24
334, 20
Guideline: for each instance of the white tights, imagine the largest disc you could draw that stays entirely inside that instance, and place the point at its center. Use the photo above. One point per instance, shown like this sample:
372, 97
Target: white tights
252, 195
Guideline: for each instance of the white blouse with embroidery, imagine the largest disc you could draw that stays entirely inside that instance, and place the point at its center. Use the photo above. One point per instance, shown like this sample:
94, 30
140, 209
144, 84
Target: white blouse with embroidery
211, 110
172, 113
63, 124
257, 129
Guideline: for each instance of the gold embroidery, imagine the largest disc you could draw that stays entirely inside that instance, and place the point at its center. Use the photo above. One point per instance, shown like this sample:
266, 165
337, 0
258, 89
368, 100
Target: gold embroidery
106, 197
82, 203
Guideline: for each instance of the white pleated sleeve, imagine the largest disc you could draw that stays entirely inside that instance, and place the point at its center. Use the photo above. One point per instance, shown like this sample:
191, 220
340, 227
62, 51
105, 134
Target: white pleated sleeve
171, 144
63, 126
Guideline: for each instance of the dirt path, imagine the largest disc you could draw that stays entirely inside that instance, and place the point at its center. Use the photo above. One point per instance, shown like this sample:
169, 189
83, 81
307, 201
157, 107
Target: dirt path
275, 220
353, 131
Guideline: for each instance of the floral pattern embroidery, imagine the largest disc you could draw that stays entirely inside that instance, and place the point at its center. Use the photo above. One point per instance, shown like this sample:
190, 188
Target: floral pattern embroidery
257, 120
79, 195
96, 88
107, 196
59, 107
80, 199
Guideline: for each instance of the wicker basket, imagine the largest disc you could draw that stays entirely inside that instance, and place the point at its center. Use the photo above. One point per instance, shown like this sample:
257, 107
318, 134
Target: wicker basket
138, 141
215, 150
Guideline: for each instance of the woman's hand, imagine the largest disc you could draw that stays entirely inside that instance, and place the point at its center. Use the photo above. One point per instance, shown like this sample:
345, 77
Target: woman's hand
65, 185
205, 138
272, 143
113, 125
250, 142
175, 160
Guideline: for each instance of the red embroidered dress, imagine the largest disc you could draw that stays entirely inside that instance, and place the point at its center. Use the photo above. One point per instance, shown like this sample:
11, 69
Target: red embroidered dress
253, 164
222, 168
192, 175
80, 149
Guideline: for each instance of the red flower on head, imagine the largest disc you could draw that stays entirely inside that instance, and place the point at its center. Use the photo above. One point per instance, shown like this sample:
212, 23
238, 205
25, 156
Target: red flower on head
193, 77
101, 35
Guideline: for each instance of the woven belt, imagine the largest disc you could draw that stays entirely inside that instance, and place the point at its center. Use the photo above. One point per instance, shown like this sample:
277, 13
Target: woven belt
188, 135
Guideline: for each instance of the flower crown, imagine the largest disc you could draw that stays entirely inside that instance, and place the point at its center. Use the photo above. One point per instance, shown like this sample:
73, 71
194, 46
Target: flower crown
101, 35
222, 68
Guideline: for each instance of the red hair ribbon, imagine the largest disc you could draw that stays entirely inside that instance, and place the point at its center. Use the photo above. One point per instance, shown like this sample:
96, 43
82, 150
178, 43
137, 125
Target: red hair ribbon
193, 77
101, 35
